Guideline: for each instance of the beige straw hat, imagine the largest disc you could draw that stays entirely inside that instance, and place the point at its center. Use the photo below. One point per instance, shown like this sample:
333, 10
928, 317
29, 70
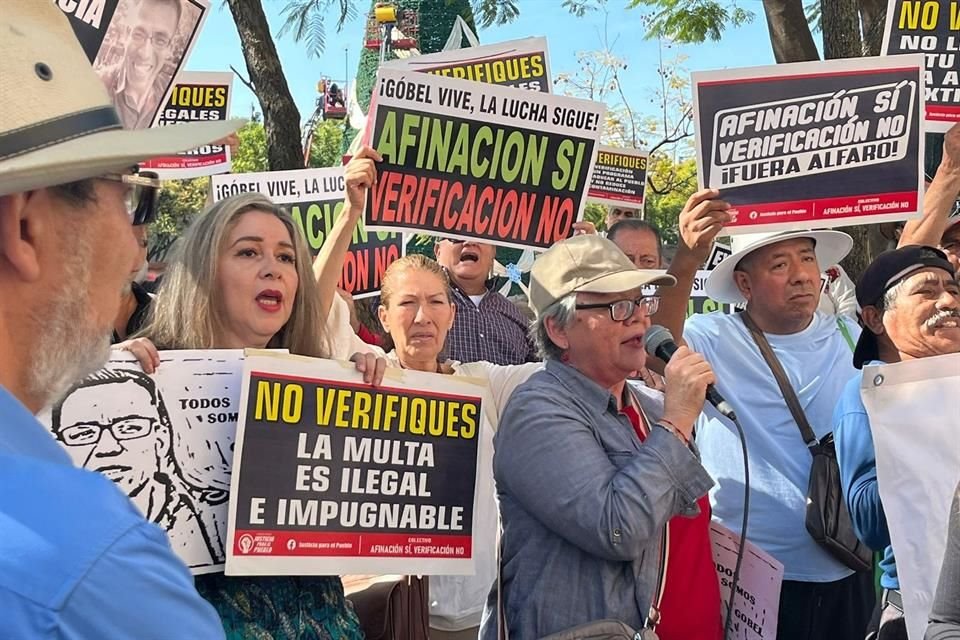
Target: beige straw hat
57, 124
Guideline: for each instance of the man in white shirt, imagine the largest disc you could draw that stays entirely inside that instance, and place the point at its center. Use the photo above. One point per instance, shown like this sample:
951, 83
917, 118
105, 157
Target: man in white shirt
777, 277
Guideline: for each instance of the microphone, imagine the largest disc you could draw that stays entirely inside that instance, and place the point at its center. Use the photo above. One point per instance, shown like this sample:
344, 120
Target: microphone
659, 343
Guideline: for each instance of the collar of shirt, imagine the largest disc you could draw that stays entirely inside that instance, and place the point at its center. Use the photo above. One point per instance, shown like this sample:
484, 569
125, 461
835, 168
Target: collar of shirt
597, 398
458, 289
22, 434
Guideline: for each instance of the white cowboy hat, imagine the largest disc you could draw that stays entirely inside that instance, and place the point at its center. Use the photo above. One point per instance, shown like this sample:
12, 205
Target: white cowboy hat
57, 124
830, 248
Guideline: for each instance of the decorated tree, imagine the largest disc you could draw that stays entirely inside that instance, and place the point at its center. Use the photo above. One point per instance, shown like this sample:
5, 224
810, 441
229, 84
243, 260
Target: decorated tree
436, 19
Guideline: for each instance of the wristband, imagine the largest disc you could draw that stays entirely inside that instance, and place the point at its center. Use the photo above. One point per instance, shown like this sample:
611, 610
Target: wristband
672, 428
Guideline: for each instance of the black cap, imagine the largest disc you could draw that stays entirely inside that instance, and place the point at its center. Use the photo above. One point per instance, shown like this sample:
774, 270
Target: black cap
883, 274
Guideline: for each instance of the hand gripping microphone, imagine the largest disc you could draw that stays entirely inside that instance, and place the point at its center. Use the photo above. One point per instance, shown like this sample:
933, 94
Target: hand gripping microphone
659, 344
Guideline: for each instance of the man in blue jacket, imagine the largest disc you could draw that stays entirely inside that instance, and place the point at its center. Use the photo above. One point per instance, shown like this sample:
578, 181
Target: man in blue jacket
910, 308
77, 560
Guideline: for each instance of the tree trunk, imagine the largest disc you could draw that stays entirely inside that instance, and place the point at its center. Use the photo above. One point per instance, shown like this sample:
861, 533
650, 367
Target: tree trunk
841, 39
789, 32
280, 116
873, 15
841, 29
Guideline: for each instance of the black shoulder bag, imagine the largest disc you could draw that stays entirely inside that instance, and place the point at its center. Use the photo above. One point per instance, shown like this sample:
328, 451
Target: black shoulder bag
828, 520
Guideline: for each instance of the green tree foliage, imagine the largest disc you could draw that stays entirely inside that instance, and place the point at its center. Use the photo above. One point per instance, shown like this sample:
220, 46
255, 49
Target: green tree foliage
306, 20
325, 148
179, 202
251, 155
692, 20
663, 209
663, 127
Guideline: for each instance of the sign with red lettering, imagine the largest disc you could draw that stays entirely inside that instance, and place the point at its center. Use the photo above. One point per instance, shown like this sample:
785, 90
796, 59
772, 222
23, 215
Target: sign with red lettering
314, 198
468, 160
813, 144
332, 475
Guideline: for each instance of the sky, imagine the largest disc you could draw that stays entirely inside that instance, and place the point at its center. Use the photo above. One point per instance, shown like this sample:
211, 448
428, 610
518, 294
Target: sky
218, 47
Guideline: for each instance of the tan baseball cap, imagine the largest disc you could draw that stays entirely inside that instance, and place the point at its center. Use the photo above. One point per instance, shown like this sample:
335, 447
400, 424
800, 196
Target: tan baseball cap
587, 264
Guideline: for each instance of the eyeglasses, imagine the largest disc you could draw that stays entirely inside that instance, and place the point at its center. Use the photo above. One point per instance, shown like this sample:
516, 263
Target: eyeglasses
160, 41
141, 197
621, 310
89, 433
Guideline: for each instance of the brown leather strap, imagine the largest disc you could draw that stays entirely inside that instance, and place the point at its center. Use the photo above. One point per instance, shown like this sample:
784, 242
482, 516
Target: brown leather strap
809, 437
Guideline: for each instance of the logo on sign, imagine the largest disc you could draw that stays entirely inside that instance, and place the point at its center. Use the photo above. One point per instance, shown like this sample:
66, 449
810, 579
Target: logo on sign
291, 544
245, 543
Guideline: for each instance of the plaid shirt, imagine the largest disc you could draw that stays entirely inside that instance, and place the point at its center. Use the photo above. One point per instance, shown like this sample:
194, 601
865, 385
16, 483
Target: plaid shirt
495, 331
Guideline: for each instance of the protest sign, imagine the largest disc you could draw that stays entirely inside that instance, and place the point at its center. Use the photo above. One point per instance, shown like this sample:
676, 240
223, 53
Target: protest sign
717, 254
472, 161
757, 604
930, 27
522, 64
812, 144
314, 198
335, 476
619, 177
917, 472
137, 47
699, 301
196, 96
166, 440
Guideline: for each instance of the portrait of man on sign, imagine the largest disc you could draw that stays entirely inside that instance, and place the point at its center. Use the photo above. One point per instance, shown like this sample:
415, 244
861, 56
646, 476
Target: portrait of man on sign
115, 422
141, 53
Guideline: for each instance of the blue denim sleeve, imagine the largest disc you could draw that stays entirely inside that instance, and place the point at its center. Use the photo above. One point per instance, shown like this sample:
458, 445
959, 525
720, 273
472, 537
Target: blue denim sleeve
139, 589
552, 464
858, 469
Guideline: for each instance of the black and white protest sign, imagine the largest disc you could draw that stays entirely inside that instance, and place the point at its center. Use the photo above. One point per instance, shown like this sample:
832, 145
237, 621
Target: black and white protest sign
137, 47
821, 144
477, 161
619, 177
930, 27
314, 198
336, 476
699, 301
166, 440
522, 64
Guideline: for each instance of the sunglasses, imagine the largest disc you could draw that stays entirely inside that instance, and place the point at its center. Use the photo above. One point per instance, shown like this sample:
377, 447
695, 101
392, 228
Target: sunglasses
141, 197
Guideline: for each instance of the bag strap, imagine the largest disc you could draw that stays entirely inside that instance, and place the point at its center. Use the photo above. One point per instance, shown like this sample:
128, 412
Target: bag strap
782, 381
